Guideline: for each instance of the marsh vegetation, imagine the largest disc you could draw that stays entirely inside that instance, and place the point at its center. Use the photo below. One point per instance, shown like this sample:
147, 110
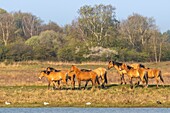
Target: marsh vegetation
20, 86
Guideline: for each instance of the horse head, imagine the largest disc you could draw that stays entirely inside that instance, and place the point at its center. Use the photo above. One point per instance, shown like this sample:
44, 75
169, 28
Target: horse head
110, 65
42, 74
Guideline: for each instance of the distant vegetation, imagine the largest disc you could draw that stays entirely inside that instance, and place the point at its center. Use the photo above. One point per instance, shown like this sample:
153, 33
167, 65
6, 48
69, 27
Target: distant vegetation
96, 35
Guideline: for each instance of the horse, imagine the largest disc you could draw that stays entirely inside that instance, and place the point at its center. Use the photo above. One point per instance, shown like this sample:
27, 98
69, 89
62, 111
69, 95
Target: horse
102, 73
151, 73
70, 76
134, 73
155, 73
116, 65
54, 77
85, 76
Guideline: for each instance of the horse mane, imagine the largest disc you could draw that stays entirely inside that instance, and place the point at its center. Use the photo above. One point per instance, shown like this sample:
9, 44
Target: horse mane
129, 67
86, 70
53, 69
46, 72
141, 66
117, 63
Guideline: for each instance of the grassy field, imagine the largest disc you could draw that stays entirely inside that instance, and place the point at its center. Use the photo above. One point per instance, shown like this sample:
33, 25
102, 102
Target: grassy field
20, 86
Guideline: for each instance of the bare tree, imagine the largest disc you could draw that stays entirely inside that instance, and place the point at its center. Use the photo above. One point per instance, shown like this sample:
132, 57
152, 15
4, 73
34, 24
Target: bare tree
137, 30
30, 25
6, 27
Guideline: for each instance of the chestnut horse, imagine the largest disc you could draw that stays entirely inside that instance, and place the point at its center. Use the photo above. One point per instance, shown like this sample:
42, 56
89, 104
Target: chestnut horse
116, 65
54, 77
135, 73
85, 76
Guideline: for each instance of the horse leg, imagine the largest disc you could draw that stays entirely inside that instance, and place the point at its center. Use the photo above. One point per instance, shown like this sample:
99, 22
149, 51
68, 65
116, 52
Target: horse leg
146, 79
73, 82
79, 84
105, 77
73, 85
98, 83
65, 83
161, 78
54, 87
121, 78
103, 83
131, 83
93, 83
86, 84
157, 81
141, 79
59, 86
49, 82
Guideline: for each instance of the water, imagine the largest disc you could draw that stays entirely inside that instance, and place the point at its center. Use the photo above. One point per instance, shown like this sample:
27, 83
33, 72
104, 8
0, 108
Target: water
84, 110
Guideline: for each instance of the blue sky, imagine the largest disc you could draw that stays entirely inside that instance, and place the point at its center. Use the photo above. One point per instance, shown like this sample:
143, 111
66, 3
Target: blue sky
64, 11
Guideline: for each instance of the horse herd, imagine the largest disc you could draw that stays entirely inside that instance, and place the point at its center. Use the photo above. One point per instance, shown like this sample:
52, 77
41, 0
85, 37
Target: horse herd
100, 75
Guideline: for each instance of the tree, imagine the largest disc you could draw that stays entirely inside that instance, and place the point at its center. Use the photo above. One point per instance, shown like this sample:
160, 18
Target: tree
15, 53
2, 11
51, 26
98, 24
27, 24
46, 44
137, 30
6, 27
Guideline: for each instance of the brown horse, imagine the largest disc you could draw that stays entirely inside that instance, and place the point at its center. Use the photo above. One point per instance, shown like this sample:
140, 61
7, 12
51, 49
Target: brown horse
70, 76
151, 73
155, 73
102, 74
85, 76
117, 65
55, 77
134, 73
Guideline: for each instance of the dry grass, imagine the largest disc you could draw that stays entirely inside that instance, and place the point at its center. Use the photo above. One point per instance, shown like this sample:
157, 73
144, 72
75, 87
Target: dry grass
19, 85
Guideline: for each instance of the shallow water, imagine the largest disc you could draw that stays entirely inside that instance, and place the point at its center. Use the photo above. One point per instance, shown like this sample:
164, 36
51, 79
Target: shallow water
84, 110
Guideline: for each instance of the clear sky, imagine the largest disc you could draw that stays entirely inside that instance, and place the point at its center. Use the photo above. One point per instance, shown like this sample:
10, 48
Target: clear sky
64, 11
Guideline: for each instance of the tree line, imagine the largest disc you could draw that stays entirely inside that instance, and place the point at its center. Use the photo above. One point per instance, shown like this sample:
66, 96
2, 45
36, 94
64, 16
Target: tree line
95, 35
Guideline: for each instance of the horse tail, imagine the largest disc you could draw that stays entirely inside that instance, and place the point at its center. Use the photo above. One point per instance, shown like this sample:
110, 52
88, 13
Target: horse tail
67, 77
160, 75
105, 77
146, 78
97, 80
